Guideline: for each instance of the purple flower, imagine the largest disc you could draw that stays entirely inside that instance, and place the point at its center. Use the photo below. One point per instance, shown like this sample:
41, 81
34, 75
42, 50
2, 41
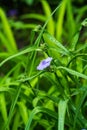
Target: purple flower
44, 63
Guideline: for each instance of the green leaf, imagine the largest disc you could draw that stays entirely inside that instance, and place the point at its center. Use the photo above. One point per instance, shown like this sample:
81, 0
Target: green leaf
15, 98
60, 20
52, 42
19, 54
47, 10
23, 111
61, 116
3, 109
8, 32
73, 72
37, 110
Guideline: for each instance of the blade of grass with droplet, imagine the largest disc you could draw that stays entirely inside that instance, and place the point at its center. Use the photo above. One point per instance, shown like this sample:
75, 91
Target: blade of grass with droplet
73, 72
52, 42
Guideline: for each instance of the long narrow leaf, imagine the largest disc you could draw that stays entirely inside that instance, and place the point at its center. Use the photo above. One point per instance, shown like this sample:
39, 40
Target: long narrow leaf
61, 110
47, 10
13, 106
73, 72
37, 110
8, 31
19, 53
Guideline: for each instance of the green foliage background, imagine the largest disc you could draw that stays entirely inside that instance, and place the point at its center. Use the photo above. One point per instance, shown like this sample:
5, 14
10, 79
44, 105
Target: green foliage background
54, 98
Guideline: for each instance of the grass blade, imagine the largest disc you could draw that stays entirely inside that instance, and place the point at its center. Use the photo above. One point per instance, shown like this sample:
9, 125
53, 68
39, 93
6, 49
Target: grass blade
73, 72
19, 54
8, 31
62, 110
37, 110
13, 106
47, 10
59, 25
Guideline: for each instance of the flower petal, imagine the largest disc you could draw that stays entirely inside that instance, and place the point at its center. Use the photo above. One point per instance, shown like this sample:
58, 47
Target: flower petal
44, 63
